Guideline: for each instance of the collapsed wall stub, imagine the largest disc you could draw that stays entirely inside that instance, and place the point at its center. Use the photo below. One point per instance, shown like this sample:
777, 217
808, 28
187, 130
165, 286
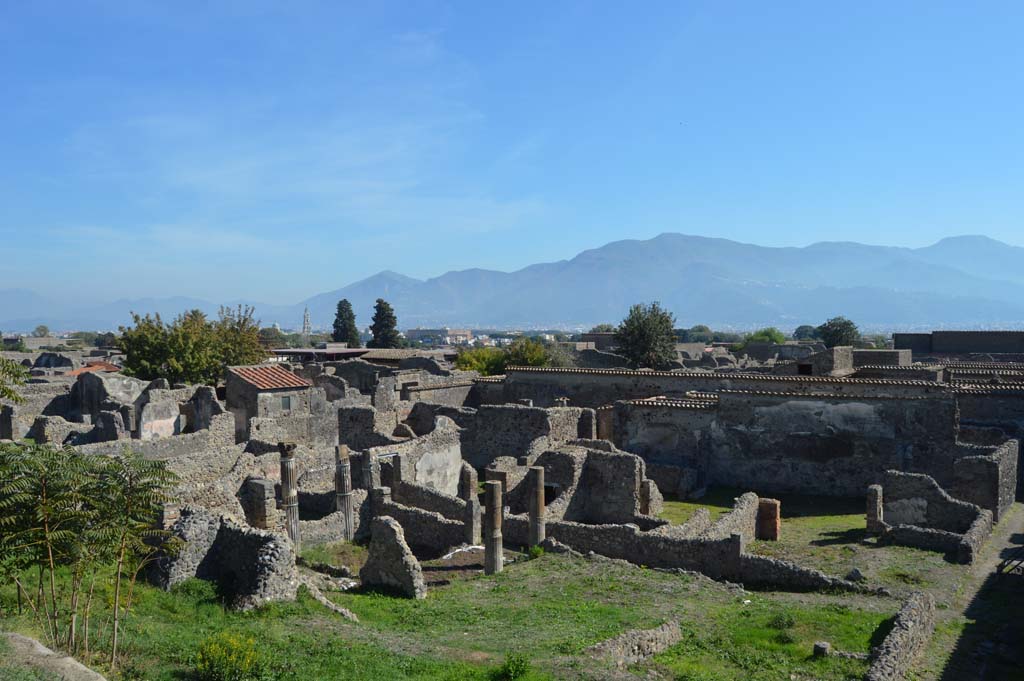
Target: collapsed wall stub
390, 563
251, 567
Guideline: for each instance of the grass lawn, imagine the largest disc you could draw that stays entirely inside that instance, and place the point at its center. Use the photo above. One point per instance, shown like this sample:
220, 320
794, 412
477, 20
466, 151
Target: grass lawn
548, 610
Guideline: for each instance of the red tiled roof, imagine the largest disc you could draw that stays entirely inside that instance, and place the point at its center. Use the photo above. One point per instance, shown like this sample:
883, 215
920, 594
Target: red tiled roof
94, 366
270, 377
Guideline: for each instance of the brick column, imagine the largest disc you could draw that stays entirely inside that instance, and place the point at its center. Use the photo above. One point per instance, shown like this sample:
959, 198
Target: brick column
343, 490
769, 519
371, 470
289, 492
493, 558
538, 524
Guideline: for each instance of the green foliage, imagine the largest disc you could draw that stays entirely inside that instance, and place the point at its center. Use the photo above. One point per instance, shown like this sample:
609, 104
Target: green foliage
535, 552
227, 656
526, 352
838, 331
191, 349
12, 374
805, 332
490, 361
64, 513
237, 337
41, 331
384, 327
603, 328
345, 329
645, 336
485, 360
766, 335
514, 667
272, 338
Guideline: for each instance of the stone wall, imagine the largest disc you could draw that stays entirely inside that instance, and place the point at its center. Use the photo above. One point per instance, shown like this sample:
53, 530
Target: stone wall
596, 387
361, 427
425, 530
919, 513
432, 460
220, 434
251, 567
987, 476
911, 631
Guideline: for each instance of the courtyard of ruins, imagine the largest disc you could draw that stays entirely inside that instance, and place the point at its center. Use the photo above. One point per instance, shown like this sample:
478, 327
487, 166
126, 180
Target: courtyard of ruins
826, 513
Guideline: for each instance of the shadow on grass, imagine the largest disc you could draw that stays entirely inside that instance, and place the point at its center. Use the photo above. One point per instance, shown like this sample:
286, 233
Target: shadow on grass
852, 536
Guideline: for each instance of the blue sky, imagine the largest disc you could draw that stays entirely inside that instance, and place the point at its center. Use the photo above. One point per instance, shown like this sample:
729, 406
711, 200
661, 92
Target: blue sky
270, 151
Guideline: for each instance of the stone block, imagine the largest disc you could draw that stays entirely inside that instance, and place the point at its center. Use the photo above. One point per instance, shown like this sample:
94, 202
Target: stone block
390, 563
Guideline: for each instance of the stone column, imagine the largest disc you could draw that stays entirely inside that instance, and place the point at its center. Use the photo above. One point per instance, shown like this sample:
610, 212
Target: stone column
769, 519
472, 521
289, 492
493, 558
538, 524
874, 511
343, 490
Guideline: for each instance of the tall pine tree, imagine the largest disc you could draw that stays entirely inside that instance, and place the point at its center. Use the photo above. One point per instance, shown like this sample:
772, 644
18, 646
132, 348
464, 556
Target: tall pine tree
384, 327
345, 330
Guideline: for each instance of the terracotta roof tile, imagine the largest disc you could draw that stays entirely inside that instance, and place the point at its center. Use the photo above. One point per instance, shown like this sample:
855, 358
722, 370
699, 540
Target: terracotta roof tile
269, 377
94, 366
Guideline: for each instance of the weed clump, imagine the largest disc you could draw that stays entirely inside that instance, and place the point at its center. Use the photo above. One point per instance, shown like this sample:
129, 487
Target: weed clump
514, 667
226, 656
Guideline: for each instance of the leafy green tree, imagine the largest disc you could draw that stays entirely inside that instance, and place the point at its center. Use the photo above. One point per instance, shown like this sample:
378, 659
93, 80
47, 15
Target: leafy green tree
487, 361
766, 335
384, 327
526, 352
193, 354
41, 331
345, 329
805, 332
603, 328
559, 356
146, 346
272, 338
237, 336
645, 336
191, 349
69, 512
838, 331
11, 374
130, 498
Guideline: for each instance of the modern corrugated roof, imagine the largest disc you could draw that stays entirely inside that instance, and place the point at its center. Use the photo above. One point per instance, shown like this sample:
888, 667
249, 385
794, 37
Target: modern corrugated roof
269, 377
94, 366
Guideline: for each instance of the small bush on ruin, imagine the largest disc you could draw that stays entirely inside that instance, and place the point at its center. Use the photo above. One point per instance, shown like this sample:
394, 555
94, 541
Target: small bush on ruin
535, 552
226, 656
514, 667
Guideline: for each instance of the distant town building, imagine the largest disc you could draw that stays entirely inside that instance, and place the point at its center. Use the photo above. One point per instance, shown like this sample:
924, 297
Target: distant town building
443, 336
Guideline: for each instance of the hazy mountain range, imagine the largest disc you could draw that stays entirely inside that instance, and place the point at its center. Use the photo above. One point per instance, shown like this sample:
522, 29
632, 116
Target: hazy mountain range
959, 282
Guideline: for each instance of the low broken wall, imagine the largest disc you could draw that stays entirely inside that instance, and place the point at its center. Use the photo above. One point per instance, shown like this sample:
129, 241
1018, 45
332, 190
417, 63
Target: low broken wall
921, 514
220, 434
912, 629
427, 499
423, 529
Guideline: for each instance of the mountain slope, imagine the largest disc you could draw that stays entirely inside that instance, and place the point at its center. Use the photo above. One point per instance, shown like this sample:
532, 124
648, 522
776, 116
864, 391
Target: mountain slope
961, 281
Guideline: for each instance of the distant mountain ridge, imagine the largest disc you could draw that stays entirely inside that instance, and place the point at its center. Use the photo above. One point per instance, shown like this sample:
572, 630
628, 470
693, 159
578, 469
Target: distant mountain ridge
958, 282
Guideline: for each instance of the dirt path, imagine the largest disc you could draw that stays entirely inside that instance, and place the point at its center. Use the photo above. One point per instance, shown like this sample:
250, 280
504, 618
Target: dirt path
990, 646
